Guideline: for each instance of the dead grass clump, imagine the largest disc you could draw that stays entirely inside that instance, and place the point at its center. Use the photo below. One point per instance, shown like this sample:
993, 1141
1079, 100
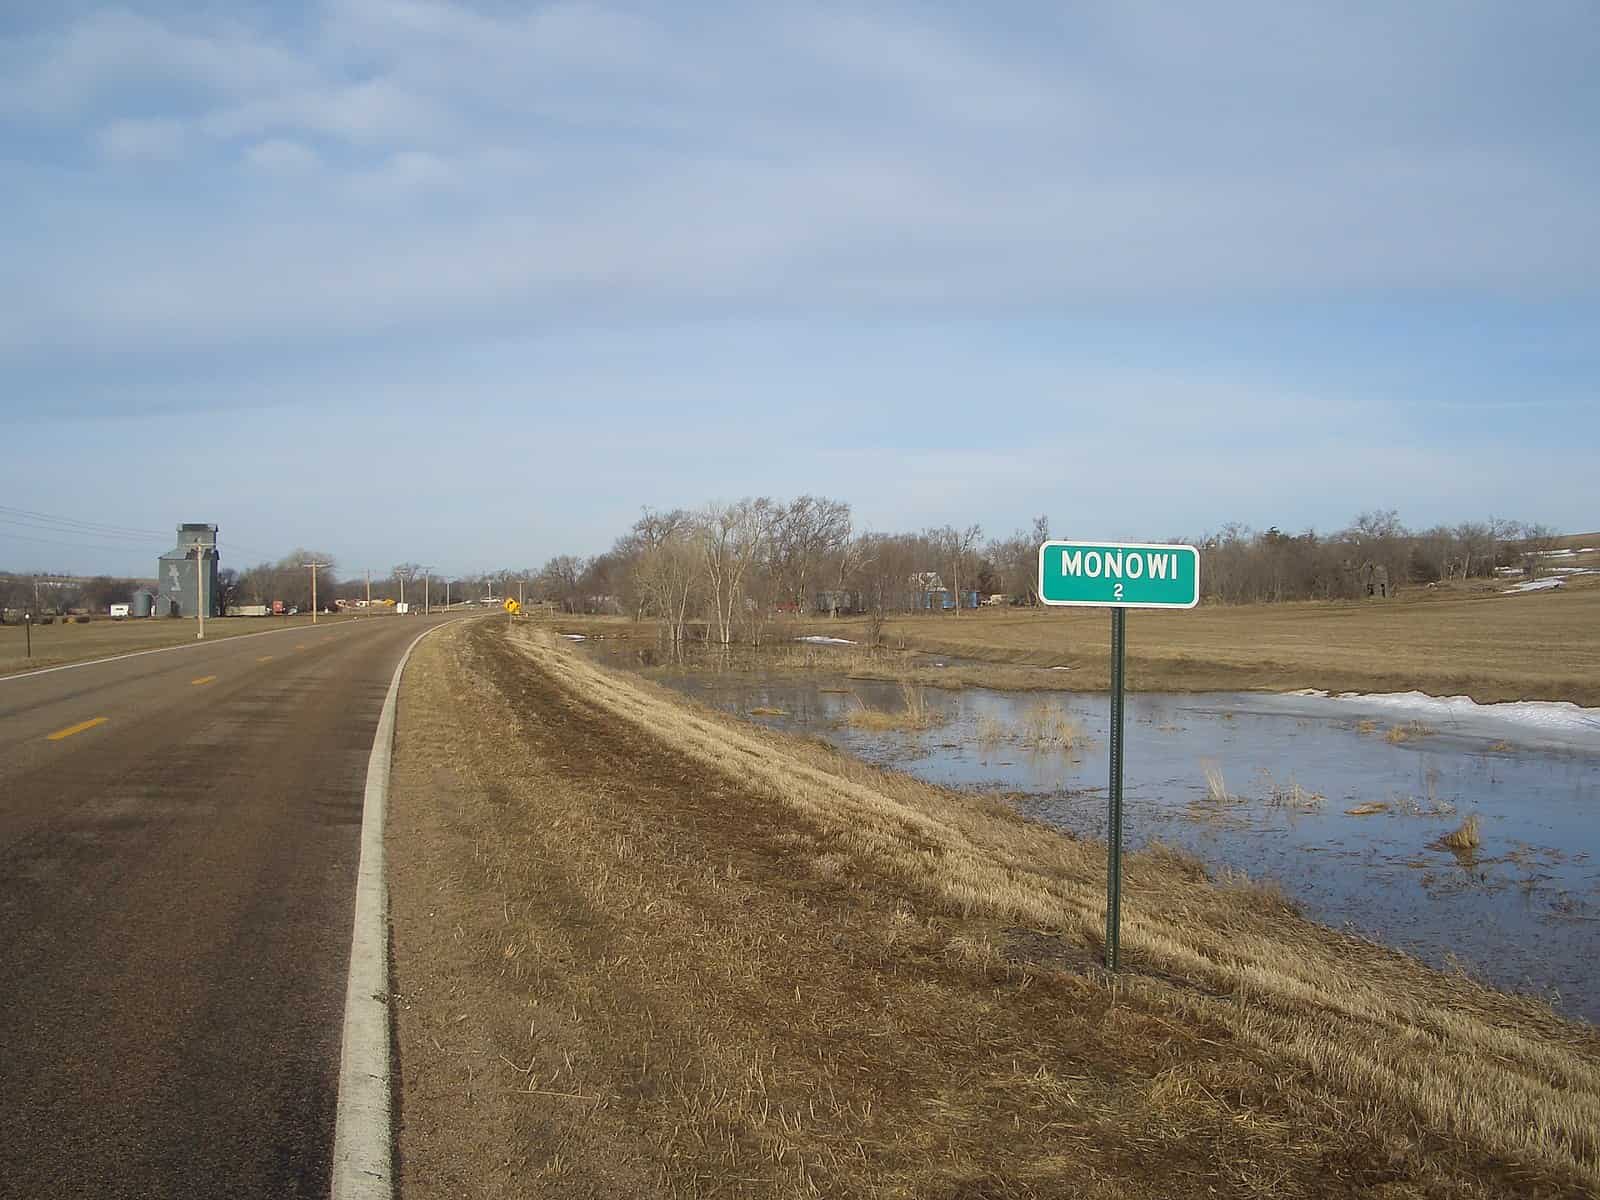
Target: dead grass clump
915, 714
1366, 725
1217, 786
1294, 796
1431, 806
764, 711
1370, 808
1464, 838
1047, 725
991, 731
1408, 732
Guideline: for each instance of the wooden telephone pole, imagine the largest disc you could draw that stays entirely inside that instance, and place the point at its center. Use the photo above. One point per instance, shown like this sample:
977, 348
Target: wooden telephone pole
314, 567
200, 549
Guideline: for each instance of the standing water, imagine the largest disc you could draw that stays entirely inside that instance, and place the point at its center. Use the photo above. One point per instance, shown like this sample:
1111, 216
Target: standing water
1344, 804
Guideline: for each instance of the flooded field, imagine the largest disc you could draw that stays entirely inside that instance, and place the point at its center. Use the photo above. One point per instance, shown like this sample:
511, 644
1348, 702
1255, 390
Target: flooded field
1347, 806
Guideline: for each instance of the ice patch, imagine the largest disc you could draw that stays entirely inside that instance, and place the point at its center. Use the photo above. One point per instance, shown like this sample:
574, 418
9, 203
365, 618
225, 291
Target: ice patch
816, 639
1560, 720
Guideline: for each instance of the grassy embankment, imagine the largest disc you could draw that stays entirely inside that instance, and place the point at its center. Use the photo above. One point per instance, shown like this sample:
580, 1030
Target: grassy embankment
645, 950
65, 641
1483, 644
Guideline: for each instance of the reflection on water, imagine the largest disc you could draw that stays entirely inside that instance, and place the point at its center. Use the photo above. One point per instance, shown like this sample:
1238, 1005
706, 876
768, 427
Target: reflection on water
1522, 909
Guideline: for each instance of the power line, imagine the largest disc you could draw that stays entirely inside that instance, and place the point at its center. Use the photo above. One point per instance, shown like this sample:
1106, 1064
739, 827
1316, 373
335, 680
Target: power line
74, 524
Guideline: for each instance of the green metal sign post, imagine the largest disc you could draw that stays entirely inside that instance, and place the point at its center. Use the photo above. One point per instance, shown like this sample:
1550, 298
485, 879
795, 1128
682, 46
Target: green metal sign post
1118, 576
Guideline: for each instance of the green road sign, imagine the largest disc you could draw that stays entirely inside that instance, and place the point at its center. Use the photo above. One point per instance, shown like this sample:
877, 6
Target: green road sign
1119, 575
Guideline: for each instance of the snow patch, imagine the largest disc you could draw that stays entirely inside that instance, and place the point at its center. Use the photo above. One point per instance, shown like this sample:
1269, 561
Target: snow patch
816, 639
575, 637
1534, 585
1560, 719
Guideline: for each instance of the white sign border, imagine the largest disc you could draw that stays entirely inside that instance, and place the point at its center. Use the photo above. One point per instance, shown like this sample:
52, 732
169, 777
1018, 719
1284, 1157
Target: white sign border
1043, 546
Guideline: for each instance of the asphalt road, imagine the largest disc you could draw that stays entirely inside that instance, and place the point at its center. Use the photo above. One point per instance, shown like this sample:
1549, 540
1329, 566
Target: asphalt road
179, 834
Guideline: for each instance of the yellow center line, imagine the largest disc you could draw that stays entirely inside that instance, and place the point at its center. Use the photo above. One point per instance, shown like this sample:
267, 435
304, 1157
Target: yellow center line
301, 646
265, 658
202, 680
78, 728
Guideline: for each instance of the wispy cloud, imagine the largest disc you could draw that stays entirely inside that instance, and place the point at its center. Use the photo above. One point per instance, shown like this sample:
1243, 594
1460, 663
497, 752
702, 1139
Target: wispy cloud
828, 159
258, 187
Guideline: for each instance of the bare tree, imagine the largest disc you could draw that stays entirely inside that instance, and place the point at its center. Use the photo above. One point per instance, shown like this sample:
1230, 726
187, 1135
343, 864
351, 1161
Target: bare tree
561, 580
732, 538
1537, 542
668, 573
957, 550
805, 532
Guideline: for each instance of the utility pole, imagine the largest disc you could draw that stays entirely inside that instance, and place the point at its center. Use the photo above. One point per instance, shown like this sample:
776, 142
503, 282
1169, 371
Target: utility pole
314, 566
400, 575
427, 583
369, 587
200, 549
447, 593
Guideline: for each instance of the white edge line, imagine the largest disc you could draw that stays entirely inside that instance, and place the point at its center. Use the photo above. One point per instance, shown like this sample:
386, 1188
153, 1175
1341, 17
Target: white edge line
233, 637
363, 1137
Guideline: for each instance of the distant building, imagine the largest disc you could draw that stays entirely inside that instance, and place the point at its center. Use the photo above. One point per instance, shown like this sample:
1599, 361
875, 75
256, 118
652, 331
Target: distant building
179, 581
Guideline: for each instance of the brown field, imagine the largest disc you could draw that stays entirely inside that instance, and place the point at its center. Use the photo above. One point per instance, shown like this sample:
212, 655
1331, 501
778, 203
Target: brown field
67, 642
645, 950
1478, 643
1539, 646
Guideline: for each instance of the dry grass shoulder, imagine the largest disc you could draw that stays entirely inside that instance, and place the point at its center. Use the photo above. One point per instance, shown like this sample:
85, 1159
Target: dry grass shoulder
644, 950
66, 641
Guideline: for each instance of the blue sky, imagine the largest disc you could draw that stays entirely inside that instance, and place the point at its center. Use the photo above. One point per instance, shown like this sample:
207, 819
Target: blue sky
470, 283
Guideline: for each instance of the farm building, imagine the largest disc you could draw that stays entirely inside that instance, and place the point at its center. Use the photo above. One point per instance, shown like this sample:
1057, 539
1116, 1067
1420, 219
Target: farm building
179, 581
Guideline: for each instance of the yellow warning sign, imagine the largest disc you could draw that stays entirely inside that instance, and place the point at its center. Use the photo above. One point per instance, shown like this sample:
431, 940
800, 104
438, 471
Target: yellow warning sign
511, 606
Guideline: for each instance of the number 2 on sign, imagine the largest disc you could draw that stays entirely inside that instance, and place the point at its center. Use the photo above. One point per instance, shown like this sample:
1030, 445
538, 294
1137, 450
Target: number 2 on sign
1117, 593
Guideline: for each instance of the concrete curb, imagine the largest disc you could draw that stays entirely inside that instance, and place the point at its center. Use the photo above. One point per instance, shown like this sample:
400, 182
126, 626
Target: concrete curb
363, 1137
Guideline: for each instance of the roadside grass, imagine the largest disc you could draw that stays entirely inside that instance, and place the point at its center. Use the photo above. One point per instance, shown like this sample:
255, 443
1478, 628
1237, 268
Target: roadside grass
64, 642
643, 949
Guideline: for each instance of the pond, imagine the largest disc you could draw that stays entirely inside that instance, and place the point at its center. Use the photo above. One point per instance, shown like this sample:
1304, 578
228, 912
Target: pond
1343, 802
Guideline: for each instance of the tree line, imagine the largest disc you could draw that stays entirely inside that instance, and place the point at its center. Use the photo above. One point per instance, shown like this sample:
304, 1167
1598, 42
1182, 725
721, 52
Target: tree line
732, 568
